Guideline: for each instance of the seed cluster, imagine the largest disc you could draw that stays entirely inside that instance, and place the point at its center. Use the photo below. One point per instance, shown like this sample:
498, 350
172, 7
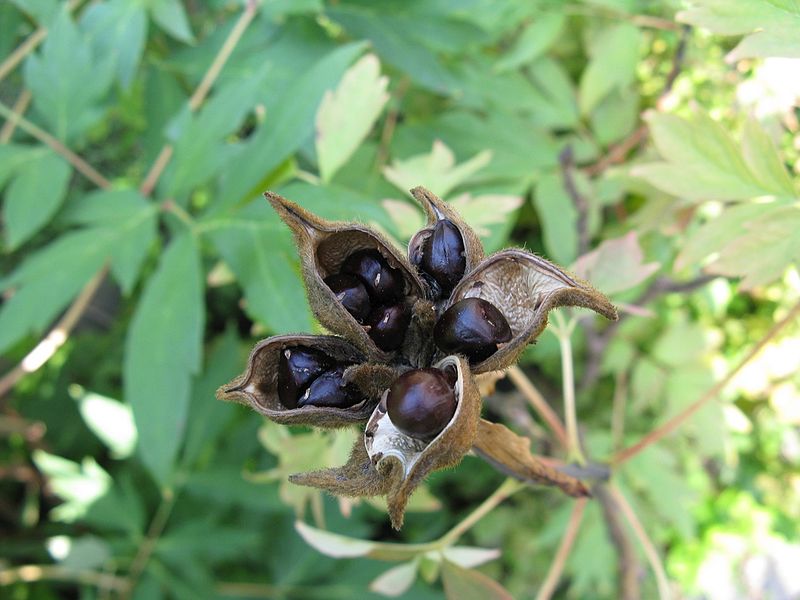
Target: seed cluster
307, 377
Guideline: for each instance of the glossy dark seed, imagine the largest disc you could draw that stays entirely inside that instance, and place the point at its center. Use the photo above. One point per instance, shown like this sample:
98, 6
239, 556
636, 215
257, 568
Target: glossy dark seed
297, 368
351, 293
329, 390
443, 255
388, 325
472, 327
384, 284
421, 403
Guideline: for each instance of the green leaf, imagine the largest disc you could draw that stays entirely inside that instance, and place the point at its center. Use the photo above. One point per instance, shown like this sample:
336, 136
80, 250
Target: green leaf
762, 158
67, 81
171, 17
111, 421
613, 53
396, 581
468, 557
437, 170
118, 28
78, 485
42, 11
534, 41
770, 26
34, 196
491, 215
703, 162
615, 116
15, 156
162, 352
347, 114
288, 126
559, 218
615, 265
466, 584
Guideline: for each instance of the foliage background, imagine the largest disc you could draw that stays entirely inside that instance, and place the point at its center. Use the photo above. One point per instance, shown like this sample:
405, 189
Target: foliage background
652, 145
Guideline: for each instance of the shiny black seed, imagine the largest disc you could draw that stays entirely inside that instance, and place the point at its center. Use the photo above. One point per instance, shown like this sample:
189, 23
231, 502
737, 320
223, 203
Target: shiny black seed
421, 403
351, 293
472, 327
443, 255
383, 283
329, 390
388, 325
297, 368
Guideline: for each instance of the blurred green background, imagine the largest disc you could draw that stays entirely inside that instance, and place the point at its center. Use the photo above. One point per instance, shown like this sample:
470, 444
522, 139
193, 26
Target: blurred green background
649, 145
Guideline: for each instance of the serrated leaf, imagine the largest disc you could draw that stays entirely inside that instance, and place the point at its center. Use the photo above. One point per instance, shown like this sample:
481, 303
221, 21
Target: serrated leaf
396, 581
34, 195
118, 28
162, 352
614, 54
534, 40
466, 584
347, 114
79, 485
558, 217
770, 26
436, 170
111, 421
703, 162
171, 17
615, 265
67, 81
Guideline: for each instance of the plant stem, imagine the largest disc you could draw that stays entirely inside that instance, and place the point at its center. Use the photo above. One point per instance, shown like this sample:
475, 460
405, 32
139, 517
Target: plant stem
679, 419
557, 567
539, 404
19, 108
563, 332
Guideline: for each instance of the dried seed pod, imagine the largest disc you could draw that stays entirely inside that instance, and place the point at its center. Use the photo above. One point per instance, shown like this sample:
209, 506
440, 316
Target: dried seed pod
297, 368
383, 283
472, 327
329, 389
388, 325
351, 293
258, 386
421, 402
442, 265
524, 288
323, 247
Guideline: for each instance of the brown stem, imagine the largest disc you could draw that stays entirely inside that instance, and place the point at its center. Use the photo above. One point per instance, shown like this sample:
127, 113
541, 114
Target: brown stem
566, 160
629, 568
19, 108
679, 419
539, 404
390, 124
557, 567
45, 349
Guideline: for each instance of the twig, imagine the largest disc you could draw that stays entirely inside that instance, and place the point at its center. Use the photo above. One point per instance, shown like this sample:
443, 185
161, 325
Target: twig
19, 108
629, 569
76, 161
45, 349
662, 583
148, 545
557, 567
679, 419
566, 159
202, 90
32, 573
538, 403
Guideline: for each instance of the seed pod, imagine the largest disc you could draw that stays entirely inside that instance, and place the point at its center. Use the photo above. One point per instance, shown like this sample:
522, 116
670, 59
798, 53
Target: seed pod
472, 327
421, 402
438, 210
351, 293
297, 368
258, 386
524, 288
443, 255
329, 390
323, 247
383, 283
388, 325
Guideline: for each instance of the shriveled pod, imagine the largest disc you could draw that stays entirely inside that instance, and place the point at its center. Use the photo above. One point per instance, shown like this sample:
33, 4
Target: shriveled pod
287, 371
396, 463
524, 288
324, 248
446, 249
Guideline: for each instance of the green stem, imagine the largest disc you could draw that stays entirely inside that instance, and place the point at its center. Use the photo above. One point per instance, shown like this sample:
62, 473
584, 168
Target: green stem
563, 331
509, 487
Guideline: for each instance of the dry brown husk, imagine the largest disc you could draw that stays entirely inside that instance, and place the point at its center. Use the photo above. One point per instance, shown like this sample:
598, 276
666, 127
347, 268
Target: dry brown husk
525, 287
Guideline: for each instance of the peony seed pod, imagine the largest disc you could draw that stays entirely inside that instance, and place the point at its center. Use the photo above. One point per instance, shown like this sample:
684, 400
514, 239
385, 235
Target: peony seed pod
472, 327
421, 403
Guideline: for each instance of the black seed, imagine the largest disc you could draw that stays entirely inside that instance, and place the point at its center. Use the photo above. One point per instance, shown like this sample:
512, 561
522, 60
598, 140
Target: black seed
421, 403
383, 283
297, 368
388, 325
443, 255
329, 390
472, 327
351, 293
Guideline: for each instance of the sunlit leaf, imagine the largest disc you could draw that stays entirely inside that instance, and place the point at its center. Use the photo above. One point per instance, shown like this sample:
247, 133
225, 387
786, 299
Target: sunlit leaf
396, 581
79, 553
613, 54
111, 421
78, 485
467, 557
615, 265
